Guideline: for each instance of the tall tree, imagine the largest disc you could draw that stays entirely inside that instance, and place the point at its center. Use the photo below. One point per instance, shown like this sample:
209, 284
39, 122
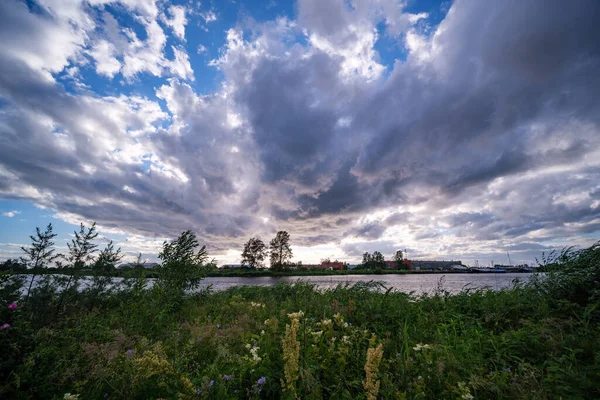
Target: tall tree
108, 258
378, 260
41, 251
399, 258
367, 258
254, 252
81, 249
182, 266
280, 250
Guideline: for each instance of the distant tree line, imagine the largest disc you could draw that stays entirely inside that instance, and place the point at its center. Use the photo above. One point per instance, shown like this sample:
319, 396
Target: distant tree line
178, 257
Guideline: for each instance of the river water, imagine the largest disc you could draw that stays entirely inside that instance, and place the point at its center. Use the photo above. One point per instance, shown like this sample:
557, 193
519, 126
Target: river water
417, 283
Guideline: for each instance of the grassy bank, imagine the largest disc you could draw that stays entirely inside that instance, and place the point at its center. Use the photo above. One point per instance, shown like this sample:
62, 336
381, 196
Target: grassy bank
535, 341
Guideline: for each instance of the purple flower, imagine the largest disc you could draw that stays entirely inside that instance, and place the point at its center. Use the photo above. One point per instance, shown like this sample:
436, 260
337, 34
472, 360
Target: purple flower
262, 380
198, 392
211, 383
227, 377
110, 359
4, 326
105, 395
129, 352
218, 326
12, 306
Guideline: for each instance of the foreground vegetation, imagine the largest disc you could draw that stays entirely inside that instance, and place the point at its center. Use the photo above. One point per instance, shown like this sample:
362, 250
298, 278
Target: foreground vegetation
535, 341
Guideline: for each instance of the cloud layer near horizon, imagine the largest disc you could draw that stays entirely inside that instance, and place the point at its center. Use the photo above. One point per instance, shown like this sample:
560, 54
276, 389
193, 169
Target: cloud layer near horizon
484, 134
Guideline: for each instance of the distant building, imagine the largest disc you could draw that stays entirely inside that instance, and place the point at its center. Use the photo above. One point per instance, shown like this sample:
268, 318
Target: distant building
233, 266
332, 265
423, 265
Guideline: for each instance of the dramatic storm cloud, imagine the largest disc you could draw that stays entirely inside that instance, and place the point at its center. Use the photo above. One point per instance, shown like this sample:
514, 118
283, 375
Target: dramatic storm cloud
457, 130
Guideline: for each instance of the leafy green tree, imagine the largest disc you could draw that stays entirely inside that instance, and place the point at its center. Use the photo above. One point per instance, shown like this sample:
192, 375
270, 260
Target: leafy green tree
182, 266
108, 259
378, 260
81, 249
254, 252
373, 261
399, 259
40, 253
367, 259
280, 250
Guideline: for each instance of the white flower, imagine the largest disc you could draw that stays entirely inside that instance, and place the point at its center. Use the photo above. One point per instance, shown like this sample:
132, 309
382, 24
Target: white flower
420, 347
262, 332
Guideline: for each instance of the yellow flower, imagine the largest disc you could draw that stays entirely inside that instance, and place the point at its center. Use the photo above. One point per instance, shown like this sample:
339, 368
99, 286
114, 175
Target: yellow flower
296, 315
291, 353
370, 383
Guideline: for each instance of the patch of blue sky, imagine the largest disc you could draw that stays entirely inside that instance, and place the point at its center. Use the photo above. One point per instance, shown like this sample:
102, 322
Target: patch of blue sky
392, 48
26, 216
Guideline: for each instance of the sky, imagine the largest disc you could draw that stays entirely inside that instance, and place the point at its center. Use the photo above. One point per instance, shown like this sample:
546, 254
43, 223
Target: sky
465, 130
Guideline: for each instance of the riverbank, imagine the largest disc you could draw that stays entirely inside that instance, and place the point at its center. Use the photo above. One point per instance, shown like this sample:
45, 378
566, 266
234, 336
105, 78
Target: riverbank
536, 341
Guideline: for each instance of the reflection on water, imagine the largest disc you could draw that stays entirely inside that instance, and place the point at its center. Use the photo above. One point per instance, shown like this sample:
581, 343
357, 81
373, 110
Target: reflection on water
417, 283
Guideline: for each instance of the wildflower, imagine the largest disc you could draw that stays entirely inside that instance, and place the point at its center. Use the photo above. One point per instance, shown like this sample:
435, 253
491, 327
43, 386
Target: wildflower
198, 392
69, 396
226, 377
467, 396
291, 354
110, 359
317, 333
12, 306
262, 332
420, 347
254, 352
212, 382
4, 326
266, 322
370, 383
296, 315
262, 380
326, 322
129, 352
105, 395
218, 326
